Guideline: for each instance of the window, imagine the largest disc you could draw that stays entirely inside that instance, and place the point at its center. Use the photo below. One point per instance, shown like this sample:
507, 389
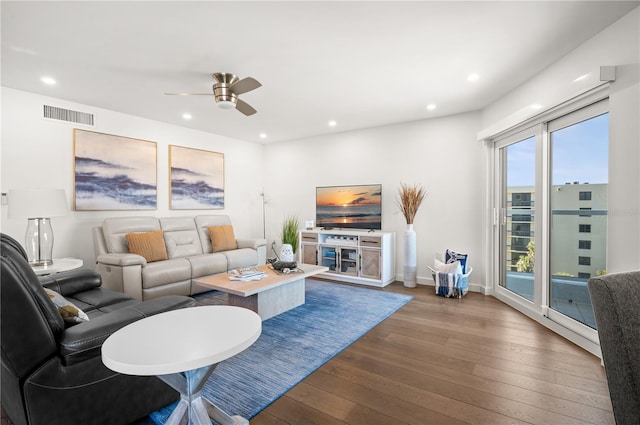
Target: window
521, 229
584, 244
582, 275
585, 196
520, 244
521, 199
584, 261
584, 228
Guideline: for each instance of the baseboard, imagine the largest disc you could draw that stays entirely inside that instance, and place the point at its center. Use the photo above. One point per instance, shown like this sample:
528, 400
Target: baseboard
428, 281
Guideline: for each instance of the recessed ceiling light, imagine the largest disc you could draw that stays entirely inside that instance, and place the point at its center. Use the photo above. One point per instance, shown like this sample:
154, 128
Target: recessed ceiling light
473, 77
48, 81
332, 123
263, 135
536, 106
431, 106
186, 116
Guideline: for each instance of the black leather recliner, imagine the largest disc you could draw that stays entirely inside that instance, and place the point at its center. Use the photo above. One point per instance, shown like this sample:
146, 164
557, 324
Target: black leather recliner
53, 374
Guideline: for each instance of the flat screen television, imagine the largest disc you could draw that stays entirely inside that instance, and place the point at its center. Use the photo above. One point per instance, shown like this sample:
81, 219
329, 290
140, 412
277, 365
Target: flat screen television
351, 207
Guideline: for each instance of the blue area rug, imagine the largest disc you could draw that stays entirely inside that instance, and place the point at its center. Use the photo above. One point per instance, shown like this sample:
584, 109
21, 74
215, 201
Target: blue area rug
293, 345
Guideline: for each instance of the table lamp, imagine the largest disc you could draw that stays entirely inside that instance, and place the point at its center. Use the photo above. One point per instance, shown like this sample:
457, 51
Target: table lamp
38, 206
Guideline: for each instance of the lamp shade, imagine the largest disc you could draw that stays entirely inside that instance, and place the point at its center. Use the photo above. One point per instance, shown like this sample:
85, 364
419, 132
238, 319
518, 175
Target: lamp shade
37, 203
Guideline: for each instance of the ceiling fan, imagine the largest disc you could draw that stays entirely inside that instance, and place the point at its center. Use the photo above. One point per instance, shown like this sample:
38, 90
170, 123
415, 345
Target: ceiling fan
226, 89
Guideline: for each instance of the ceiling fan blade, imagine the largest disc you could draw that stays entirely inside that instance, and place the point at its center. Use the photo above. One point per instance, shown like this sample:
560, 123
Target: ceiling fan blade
245, 108
189, 94
244, 85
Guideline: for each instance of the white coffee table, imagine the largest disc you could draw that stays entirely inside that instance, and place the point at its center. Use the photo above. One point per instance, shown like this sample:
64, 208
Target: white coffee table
270, 296
182, 347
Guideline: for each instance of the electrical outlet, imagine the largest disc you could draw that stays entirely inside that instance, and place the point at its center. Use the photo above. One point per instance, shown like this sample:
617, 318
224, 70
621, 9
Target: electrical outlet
3, 199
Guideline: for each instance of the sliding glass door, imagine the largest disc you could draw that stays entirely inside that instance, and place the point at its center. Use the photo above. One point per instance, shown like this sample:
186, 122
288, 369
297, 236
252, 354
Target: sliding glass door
517, 216
551, 215
578, 204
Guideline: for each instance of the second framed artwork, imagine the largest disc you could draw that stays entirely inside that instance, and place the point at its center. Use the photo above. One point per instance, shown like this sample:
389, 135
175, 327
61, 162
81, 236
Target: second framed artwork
196, 179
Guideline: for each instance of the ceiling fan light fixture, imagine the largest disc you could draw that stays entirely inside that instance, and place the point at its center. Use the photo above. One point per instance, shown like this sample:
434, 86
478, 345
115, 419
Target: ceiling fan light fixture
226, 89
226, 104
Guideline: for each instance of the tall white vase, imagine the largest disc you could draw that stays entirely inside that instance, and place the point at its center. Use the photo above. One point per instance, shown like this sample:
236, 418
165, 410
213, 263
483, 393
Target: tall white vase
410, 257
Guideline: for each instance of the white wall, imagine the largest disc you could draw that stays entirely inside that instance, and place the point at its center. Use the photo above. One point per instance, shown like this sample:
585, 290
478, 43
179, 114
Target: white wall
442, 154
618, 45
38, 152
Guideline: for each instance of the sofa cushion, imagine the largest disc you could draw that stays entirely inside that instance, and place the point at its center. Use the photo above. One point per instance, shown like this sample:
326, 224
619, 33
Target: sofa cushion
222, 238
208, 264
165, 272
114, 231
94, 312
238, 258
181, 237
150, 245
99, 299
70, 313
184, 243
177, 288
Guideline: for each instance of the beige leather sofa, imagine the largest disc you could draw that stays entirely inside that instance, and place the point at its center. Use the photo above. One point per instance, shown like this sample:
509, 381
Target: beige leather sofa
189, 251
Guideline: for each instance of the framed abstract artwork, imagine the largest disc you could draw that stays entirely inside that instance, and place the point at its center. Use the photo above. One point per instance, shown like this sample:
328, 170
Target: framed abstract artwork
113, 172
196, 179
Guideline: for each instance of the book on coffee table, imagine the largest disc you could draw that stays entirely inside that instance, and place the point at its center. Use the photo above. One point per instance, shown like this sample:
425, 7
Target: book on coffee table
246, 274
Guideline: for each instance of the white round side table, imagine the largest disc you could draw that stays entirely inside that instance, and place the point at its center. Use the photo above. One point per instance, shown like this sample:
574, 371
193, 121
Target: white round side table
59, 265
182, 347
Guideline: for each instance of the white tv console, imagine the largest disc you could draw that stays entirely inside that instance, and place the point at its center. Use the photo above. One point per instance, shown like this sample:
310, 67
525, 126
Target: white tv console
354, 256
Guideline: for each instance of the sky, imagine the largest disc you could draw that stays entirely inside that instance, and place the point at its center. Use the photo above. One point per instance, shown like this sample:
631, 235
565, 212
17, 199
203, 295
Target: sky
349, 195
579, 153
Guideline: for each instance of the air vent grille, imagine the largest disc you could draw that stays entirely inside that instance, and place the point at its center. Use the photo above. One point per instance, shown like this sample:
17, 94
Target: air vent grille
62, 114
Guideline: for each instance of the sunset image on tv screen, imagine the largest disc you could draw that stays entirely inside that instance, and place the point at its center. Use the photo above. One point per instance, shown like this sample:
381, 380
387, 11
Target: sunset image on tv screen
349, 206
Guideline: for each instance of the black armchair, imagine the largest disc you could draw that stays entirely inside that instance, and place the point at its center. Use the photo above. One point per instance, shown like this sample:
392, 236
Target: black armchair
616, 305
53, 373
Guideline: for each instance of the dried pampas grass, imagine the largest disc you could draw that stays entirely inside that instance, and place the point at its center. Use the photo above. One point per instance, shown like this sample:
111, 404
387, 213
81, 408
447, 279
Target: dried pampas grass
409, 200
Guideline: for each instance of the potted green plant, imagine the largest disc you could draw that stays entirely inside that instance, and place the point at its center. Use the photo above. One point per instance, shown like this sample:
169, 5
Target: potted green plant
289, 238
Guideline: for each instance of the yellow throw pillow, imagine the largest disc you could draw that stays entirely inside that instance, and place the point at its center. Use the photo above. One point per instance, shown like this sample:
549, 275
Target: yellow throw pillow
222, 238
150, 245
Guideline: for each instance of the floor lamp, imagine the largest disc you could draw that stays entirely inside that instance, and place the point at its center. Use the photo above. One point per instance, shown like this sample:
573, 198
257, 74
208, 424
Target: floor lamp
38, 206
264, 219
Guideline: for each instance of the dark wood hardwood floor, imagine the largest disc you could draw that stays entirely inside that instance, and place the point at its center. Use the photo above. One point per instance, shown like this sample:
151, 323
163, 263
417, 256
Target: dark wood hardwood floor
451, 361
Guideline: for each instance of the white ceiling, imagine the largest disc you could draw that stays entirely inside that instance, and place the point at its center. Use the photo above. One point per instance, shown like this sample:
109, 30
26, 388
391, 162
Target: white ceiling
362, 64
